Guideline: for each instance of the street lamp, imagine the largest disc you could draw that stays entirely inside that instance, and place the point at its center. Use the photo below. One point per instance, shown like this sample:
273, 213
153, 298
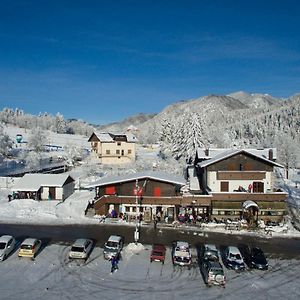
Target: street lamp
136, 232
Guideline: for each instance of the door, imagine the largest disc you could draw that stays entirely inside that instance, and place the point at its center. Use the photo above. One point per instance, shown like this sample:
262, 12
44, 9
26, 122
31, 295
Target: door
52, 194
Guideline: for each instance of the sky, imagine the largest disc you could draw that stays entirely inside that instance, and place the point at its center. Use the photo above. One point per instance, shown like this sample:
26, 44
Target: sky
103, 61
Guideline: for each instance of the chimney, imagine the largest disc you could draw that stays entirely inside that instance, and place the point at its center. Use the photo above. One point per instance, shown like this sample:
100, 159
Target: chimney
271, 154
206, 152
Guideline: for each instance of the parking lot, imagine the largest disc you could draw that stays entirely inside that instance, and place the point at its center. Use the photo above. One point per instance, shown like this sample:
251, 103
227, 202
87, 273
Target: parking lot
52, 276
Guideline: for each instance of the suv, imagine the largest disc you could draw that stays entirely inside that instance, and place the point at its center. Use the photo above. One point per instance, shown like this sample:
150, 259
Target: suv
209, 253
213, 273
7, 245
234, 259
30, 248
81, 249
113, 247
158, 253
181, 254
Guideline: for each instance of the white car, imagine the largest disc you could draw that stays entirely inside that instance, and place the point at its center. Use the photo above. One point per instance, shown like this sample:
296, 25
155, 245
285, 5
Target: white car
181, 254
113, 247
81, 249
7, 244
234, 259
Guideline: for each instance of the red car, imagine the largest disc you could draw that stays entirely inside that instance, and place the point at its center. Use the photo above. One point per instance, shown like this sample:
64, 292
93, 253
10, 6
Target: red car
158, 253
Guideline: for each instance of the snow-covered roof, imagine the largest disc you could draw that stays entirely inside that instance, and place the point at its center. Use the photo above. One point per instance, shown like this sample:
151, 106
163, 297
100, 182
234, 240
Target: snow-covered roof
108, 137
33, 182
208, 153
231, 152
160, 176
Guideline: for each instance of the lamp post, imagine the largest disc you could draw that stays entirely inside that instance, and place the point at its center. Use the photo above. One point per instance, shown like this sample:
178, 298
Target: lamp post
136, 232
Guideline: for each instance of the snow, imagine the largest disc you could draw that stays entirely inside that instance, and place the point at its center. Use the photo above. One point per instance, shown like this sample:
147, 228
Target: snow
71, 211
53, 276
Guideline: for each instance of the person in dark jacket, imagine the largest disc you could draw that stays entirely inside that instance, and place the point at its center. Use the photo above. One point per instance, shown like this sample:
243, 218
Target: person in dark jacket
114, 264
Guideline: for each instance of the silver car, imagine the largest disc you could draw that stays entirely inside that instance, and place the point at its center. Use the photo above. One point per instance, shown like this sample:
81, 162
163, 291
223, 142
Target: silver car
7, 245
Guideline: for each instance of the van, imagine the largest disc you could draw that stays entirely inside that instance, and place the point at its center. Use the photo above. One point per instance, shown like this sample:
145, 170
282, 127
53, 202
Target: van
30, 248
113, 247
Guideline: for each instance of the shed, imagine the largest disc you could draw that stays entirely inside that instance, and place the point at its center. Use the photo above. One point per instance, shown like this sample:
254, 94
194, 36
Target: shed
44, 186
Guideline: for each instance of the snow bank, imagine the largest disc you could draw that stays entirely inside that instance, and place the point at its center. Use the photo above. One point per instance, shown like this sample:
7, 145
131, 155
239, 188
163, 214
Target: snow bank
133, 248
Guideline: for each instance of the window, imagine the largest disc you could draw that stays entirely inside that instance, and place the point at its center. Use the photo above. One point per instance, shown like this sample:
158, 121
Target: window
118, 143
110, 190
107, 151
258, 187
122, 151
157, 192
129, 151
224, 186
118, 152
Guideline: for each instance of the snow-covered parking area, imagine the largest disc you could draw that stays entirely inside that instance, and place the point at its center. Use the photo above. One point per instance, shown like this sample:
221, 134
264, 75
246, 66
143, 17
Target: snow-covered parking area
53, 276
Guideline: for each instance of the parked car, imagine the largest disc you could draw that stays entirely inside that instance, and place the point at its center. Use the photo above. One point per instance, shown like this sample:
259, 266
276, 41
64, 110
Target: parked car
258, 259
30, 248
81, 249
158, 253
234, 259
213, 273
7, 245
113, 247
181, 254
209, 252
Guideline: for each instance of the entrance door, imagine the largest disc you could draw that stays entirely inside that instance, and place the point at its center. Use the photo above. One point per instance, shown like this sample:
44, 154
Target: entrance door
52, 194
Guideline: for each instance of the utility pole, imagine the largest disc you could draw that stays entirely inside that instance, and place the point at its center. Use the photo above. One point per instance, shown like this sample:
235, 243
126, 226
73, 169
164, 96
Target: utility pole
136, 232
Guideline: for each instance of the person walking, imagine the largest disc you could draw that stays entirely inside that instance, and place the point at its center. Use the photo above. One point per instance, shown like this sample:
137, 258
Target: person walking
114, 264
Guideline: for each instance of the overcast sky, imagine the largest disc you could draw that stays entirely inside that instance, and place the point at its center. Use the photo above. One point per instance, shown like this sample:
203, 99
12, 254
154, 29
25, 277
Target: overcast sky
103, 61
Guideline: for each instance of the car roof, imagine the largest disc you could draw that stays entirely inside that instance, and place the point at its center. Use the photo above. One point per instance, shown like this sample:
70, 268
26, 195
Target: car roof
80, 242
115, 238
234, 250
29, 241
210, 247
5, 238
182, 244
215, 264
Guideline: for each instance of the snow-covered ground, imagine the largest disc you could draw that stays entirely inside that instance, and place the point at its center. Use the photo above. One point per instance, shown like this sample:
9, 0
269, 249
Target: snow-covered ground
71, 211
53, 276
52, 137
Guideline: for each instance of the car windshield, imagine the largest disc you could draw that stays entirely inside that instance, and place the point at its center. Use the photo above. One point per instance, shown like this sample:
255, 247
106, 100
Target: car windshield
158, 253
211, 253
217, 271
184, 249
182, 259
111, 244
235, 256
26, 247
2, 245
77, 249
